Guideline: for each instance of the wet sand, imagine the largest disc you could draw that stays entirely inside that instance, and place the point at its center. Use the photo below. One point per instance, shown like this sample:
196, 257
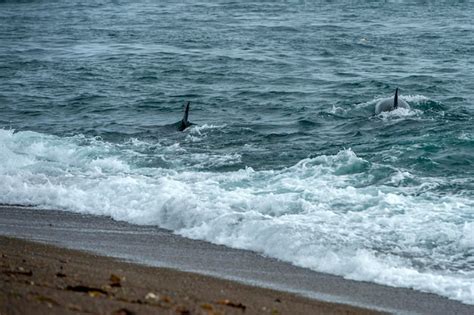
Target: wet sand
44, 279
152, 246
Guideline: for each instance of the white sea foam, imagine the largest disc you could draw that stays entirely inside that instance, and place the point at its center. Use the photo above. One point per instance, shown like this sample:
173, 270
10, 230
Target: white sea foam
407, 98
198, 129
400, 113
414, 98
336, 109
198, 133
467, 239
468, 136
316, 214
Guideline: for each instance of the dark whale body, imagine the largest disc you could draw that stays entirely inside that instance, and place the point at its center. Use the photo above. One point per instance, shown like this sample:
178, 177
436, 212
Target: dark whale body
389, 104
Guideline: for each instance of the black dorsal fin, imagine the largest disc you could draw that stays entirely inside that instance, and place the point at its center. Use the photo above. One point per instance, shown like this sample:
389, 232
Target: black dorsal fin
186, 113
395, 99
184, 123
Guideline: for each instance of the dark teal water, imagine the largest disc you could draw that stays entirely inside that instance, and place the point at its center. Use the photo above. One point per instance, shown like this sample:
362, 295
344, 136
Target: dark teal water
273, 85
273, 72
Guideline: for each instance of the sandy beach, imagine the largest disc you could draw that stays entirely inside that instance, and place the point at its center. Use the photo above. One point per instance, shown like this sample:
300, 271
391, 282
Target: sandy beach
177, 274
44, 279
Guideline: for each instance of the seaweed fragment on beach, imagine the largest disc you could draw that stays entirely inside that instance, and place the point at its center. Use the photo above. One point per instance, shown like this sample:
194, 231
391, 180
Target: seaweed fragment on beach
49, 301
93, 292
207, 307
20, 271
232, 304
166, 299
182, 310
115, 281
123, 311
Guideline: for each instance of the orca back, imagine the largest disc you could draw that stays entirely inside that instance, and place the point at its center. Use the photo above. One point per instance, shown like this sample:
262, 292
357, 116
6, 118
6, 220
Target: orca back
389, 104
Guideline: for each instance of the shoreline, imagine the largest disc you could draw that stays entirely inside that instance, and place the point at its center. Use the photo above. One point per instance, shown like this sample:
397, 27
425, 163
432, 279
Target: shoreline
45, 279
155, 247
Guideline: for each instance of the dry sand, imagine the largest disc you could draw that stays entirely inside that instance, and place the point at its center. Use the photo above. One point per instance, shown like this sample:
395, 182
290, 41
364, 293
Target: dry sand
43, 279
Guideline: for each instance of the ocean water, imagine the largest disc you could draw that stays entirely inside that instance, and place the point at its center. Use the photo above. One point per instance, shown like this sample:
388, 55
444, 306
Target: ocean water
286, 157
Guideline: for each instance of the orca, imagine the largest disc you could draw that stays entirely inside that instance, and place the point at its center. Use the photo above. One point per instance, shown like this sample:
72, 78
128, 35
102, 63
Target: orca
184, 123
391, 103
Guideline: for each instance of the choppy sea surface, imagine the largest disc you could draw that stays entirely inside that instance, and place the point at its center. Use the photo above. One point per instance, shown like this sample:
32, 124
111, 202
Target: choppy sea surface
286, 158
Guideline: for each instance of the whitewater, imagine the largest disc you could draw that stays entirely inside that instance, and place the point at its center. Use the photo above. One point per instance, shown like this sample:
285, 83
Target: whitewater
324, 213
